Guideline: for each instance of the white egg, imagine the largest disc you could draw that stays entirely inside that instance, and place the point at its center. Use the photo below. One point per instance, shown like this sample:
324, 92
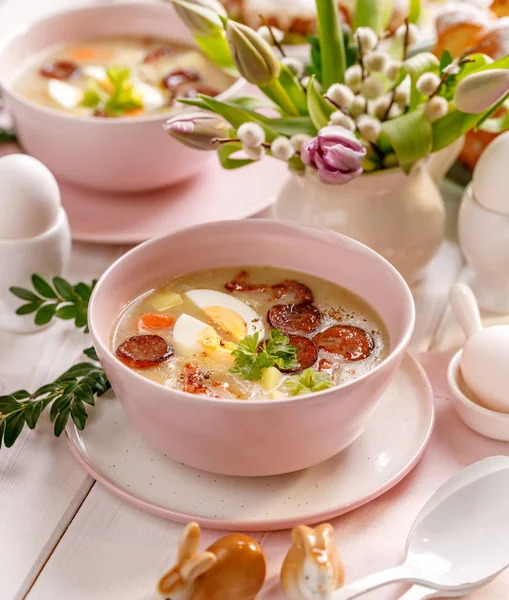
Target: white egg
152, 97
65, 94
485, 366
96, 72
229, 313
490, 176
192, 337
29, 197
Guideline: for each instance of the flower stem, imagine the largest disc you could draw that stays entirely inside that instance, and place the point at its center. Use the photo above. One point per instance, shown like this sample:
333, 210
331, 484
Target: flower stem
332, 46
277, 93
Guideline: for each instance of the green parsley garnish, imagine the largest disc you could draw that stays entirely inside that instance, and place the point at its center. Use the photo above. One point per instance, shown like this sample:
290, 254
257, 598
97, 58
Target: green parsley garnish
309, 381
123, 97
91, 97
251, 357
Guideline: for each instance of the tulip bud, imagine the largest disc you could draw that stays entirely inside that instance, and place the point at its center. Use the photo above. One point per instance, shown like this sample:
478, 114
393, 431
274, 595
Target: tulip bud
254, 58
480, 91
201, 16
197, 130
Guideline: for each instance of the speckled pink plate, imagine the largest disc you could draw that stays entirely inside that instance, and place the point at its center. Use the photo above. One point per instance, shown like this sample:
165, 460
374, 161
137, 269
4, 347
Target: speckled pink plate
114, 454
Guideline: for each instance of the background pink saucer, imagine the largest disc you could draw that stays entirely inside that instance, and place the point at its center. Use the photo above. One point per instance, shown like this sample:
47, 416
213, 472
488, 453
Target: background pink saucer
215, 195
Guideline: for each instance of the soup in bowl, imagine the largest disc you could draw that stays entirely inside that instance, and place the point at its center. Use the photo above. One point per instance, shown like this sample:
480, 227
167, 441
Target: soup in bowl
89, 90
263, 364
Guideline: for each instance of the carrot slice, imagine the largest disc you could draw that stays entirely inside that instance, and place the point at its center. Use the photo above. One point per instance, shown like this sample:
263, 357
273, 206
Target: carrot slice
88, 54
155, 321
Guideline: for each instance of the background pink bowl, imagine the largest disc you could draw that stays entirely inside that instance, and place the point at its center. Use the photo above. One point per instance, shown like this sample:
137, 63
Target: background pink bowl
119, 155
252, 438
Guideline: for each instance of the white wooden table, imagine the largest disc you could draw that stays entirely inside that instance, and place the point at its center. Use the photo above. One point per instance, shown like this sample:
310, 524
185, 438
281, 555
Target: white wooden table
63, 536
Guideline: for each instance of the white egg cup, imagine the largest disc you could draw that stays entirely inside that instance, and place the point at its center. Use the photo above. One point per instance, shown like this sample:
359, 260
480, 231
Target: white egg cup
489, 423
484, 240
46, 254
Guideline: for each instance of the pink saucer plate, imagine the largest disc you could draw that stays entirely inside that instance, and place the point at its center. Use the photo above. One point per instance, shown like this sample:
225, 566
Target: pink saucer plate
214, 195
116, 456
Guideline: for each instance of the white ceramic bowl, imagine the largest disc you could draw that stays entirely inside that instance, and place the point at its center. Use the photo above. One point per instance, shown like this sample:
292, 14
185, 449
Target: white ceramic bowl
253, 437
119, 155
487, 422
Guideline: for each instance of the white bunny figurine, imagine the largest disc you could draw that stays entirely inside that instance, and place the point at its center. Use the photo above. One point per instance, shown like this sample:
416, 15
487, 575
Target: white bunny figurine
312, 568
233, 568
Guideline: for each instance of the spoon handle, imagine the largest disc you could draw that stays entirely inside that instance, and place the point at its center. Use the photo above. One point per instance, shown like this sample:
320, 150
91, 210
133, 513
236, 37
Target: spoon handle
420, 592
372, 582
465, 308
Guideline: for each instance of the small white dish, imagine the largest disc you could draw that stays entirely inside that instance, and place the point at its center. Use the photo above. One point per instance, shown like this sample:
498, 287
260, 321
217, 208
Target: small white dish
487, 422
114, 454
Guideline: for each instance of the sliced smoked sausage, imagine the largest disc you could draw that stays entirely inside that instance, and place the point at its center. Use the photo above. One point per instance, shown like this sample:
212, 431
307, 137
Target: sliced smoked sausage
61, 69
295, 319
144, 351
350, 342
307, 352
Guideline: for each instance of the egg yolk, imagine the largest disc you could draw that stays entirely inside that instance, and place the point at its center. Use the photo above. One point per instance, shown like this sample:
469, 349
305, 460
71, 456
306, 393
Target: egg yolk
213, 344
228, 320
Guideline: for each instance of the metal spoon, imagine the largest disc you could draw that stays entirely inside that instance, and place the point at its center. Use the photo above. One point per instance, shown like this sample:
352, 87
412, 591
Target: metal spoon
458, 543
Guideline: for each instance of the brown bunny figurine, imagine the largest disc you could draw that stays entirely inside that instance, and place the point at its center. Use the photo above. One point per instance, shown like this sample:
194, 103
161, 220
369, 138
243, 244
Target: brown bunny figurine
233, 568
312, 568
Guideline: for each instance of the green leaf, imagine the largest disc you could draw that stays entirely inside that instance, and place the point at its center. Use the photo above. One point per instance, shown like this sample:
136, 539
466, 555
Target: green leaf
451, 127
78, 409
45, 314
91, 353
13, 427
26, 309
81, 317
315, 68
8, 404
332, 47
414, 11
64, 289
309, 381
226, 150
294, 89
410, 136
216, 47
83, 290
43, 287
59, 404
32, 413
24, 294
69, 311
295, 163
236, 116
2, 421
124, 96
251, 103
368, 13
61, 421
91, 97
292, 125
7, 135
445, 59
48, 388
77, 370
319, 109
84, 392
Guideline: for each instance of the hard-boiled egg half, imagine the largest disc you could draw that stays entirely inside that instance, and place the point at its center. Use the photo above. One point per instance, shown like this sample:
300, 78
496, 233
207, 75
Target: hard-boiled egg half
231, 315
195, 338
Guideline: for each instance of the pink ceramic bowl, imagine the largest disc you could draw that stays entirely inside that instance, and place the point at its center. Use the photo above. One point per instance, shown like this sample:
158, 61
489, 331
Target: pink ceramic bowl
118, 155
265, 437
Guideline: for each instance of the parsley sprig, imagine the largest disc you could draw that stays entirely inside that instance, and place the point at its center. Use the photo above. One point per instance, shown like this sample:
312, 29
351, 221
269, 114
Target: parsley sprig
251, 356
308, 382
67, 395
61, 300
123, 96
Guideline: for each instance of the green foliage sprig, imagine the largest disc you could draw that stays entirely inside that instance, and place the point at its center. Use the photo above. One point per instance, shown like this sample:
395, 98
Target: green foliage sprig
61, 300
67, 395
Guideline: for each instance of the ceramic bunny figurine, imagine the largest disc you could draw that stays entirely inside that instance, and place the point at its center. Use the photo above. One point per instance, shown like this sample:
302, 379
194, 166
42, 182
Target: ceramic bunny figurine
312, 568
233, 568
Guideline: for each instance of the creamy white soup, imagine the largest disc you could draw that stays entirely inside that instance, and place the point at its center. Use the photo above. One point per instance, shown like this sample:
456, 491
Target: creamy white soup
120, 77
249, 333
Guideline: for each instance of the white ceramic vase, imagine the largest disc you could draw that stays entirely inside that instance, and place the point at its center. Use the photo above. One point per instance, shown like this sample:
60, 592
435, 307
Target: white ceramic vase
400, 216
